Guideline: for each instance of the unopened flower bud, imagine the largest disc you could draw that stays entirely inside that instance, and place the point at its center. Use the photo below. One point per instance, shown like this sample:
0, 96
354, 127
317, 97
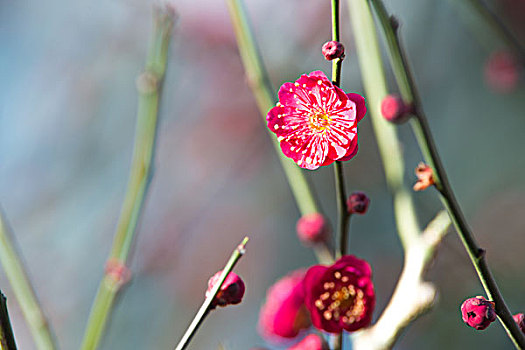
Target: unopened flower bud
394, 22
425, 177
117, 272
231, 292
312, 228
311, 342
478, 312
394, 109
502, 71
357, 203
520, 320
332, 50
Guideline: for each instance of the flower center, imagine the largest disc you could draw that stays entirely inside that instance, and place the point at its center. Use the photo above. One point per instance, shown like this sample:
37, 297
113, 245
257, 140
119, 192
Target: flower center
319, 121
341, 300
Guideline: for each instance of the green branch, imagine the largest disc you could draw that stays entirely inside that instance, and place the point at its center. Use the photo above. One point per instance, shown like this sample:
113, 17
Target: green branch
262, 89
23, 290
206, 305
426, 143
149, 85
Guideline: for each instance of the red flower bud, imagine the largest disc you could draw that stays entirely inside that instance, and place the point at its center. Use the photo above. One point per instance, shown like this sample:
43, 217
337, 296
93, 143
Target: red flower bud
478, 312
394, 109
333, 49
118, 272
231, 292
357, 203
311, 342
520, 320
502, 71
312, 228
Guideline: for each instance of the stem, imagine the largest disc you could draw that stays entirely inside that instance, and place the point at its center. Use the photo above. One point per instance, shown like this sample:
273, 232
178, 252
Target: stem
262, 89
498, 27
23, 290
426, 143
206, 305
149, 86
342, 212
7, 339
374, 82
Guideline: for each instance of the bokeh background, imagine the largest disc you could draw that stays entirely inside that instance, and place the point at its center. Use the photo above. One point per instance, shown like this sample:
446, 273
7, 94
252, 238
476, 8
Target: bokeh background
67, 117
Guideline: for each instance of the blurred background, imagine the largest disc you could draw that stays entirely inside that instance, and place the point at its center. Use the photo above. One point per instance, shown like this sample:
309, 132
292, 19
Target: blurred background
67, 118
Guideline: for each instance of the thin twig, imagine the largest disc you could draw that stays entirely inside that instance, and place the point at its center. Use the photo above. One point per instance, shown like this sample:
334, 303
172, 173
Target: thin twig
23, 290
206, 305
7, 338
426, 143
342, 213
149, 85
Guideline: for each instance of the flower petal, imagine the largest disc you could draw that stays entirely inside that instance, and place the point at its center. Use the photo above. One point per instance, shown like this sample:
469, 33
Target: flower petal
360, 105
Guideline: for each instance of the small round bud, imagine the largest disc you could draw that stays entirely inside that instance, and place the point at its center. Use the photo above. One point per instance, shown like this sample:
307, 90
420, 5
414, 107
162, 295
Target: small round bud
332, 50
231, 292
357, 203
478, 312
502, 71
311, 342
425, 177
394, 22
117, 272
394, 109
312, 228
520, 320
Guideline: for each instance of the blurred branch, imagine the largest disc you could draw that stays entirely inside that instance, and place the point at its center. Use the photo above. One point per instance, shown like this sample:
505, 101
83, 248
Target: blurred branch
495, 25
424, 137
149, 85
7, 339
386, 135
23, 290
412, 296
206, 305
264, 95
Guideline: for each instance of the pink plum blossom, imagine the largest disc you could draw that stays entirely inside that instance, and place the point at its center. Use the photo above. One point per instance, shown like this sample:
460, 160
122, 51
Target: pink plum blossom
341, 296
315, 121
284, 314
